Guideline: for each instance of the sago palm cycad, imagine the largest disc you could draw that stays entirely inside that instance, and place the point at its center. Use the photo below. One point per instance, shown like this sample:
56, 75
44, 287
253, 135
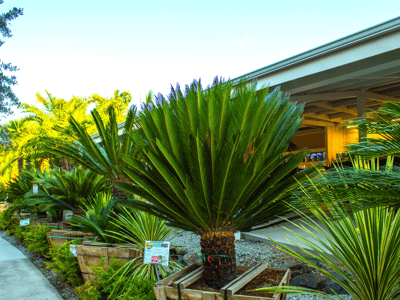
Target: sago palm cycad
104, 156
213, 162
63, 190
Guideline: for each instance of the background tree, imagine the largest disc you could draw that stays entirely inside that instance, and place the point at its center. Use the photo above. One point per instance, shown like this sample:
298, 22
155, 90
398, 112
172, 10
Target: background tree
7, 96
213, 162
120, 103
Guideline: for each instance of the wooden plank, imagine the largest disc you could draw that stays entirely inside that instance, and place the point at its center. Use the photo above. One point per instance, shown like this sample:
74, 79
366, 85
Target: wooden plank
285, 281
170, 279
187, 276
188, 294
208, 296
242, 282
238, 278
171, 293
245, 297
190, 280
159, 292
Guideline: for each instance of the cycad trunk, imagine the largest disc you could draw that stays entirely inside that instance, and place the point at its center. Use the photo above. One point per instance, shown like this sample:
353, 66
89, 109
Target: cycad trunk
117, 192
219, 261
20, 164
51, 161
65, 164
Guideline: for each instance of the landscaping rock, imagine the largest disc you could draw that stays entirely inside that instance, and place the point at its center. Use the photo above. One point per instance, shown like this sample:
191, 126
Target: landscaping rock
192, 258
295, 267
332, 287
309, 280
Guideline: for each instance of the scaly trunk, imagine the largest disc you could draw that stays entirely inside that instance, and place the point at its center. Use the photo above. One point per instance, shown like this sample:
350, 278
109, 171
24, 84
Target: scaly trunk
219, 261
51, 163
117, 192
65, 164
20, 164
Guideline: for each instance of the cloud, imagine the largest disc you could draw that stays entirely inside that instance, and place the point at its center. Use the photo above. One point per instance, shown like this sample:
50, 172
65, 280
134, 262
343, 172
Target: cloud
238, 41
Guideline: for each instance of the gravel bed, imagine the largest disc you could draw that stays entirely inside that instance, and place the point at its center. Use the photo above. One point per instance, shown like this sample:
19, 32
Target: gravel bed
66, 290
249, 253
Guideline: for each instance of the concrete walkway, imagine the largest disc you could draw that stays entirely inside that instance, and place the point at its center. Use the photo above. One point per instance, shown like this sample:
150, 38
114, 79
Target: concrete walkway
281, 235
20, 279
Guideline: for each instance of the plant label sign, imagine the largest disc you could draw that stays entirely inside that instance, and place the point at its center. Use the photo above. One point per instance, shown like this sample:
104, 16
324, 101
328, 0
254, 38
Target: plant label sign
156, 252
24, 222
35, 188
72, 248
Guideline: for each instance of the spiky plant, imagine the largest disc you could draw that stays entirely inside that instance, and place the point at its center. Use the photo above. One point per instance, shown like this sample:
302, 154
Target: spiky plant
97, 217
63, 190
102, 156
361, 246
212, 162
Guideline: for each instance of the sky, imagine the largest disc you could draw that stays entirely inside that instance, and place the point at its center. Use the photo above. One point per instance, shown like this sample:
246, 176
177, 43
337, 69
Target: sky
79, 48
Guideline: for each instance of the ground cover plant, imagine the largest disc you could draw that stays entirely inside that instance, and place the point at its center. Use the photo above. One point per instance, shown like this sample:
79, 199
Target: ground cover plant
65, 264
213, 162
36, 240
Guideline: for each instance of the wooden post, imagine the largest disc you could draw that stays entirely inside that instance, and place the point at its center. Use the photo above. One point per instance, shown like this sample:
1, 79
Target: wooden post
361, 108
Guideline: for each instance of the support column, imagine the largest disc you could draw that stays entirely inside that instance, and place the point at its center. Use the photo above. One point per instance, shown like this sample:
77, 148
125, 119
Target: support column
336, 140
361, 108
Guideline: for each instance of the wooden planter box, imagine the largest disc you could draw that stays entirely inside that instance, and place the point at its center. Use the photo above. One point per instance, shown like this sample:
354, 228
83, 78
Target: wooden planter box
177, 286
60, 225
89, 254
59, 237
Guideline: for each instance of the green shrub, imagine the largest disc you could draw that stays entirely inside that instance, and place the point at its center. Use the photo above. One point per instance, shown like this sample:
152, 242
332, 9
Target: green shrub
116, 287
35, 238
65, 264
6, 220
17, 231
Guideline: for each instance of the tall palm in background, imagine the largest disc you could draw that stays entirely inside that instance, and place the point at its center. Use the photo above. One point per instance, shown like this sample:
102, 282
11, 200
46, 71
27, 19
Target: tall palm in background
102, 156
51, 118
212, 162
21, 132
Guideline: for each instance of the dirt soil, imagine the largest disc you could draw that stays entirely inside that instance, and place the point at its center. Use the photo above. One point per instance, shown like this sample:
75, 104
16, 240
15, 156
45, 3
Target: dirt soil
265, 279
200, 284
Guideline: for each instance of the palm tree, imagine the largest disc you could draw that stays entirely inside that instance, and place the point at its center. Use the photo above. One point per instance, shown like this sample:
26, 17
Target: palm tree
103, 157
213, 162
20, 133
52, 121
